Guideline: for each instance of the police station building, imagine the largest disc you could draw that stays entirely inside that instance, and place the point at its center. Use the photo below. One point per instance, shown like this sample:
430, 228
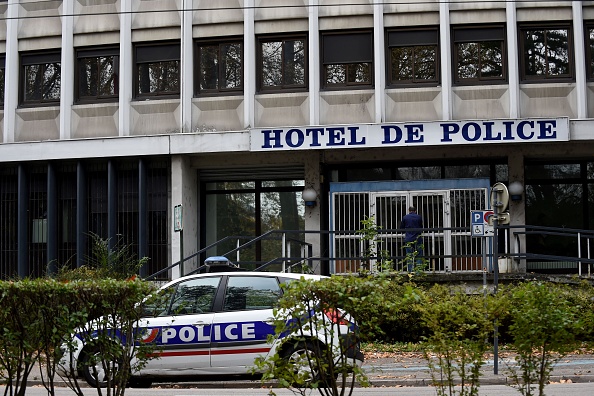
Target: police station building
133, 119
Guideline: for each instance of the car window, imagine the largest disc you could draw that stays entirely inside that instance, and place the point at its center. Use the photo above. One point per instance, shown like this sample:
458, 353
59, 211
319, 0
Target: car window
251, 293
194, 296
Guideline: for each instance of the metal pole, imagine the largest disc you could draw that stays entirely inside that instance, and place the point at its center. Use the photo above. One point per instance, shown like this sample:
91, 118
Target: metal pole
579, 243
181, 252
495, 282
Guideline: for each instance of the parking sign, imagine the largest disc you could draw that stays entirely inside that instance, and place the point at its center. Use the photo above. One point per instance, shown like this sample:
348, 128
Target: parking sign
479, 220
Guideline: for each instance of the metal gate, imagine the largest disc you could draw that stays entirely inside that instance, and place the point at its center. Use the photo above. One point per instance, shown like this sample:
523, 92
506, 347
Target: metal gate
448, 245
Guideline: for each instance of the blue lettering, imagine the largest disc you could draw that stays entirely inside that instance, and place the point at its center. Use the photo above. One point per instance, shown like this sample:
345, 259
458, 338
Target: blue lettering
336, 137
466, 131
276, 139
449, 129
546, 129
289, 138
489, 132
315, 135
508, 130
413, 133
388, 134
354, 141
520, 130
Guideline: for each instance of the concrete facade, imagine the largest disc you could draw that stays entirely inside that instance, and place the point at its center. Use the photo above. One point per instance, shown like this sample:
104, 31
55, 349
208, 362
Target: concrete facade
200, 132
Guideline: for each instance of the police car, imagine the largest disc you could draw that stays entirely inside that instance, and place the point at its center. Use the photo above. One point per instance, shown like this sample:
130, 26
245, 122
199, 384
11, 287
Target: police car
214, 323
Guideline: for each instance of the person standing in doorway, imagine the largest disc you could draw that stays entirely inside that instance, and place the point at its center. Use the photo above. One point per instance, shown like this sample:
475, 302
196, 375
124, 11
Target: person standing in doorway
413, 242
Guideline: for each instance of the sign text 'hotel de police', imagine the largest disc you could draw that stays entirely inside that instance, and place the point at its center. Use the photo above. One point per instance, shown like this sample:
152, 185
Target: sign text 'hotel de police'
410, 134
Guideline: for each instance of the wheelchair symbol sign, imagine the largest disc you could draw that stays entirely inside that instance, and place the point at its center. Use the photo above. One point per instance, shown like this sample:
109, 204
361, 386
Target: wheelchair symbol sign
480, 226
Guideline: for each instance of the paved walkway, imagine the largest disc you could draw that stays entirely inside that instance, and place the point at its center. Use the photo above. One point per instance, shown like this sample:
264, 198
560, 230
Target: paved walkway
408, 370
412, 370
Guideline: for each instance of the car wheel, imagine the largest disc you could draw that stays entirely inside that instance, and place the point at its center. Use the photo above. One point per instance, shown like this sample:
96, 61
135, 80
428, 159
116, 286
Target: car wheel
92, 369
307, 361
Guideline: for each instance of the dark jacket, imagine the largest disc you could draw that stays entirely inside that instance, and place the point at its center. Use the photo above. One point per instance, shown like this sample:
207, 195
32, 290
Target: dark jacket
412, 220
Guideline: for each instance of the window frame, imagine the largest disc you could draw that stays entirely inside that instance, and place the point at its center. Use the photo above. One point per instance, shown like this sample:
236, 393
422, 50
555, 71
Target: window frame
39, 58
412, 38
219, 90
167, 51
96, 52
589, 50
244, 306
526, 78
2, 79
479, 34
260, 40
329, 58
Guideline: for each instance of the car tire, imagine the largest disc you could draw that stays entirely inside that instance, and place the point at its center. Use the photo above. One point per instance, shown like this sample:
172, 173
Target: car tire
297, 356
92, 368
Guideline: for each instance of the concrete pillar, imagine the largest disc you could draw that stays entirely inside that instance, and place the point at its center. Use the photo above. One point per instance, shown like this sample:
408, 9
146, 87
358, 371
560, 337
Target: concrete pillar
379, 63
67, 69
314, 70
11, 78
446, 60
125, 80
249, 64
184, 191
187, 67
512, 59
313, 213
580, 60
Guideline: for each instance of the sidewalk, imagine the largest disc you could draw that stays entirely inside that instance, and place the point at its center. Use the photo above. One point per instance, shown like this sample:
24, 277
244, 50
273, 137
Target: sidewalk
410, 369
401, 370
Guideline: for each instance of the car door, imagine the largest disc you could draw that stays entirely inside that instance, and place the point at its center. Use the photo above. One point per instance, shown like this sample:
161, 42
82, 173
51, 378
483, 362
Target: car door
182, 330
240, 330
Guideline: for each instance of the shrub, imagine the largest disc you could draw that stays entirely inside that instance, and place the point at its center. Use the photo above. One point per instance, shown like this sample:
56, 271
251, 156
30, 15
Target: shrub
543, 330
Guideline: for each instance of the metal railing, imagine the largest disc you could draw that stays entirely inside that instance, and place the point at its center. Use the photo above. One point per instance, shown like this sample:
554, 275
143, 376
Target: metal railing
445, 250
574, 260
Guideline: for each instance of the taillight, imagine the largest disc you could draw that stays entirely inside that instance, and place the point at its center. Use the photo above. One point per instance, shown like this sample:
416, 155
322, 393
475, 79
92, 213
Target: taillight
336, 317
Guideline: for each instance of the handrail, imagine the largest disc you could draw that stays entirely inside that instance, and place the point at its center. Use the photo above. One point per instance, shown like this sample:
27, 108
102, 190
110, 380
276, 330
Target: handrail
514, 250
203, 250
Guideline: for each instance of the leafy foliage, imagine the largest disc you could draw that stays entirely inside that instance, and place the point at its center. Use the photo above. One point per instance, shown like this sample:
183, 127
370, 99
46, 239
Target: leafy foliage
315, 353
105, 262
39, 315
543, 330
458, 325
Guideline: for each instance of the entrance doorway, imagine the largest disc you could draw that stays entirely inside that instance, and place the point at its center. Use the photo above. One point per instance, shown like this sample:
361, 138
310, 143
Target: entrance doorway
448, 244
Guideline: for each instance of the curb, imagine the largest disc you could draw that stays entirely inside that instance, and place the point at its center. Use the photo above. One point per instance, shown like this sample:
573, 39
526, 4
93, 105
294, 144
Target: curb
374, 383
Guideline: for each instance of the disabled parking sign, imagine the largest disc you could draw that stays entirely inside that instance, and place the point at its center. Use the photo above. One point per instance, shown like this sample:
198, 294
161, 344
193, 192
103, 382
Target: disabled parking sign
479, 220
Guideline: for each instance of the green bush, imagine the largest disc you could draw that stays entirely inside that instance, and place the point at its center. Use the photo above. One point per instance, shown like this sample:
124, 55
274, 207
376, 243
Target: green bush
394, 318
38, 315
314, 353
458, 324
544, 327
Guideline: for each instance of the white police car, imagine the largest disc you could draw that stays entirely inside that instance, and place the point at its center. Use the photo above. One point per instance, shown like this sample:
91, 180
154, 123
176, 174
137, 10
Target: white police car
213, 324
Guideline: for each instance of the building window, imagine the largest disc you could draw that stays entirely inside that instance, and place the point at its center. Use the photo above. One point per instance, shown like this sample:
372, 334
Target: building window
97, 74
220, 67
157, 70
2, 79
413, 57
283, 63
347, 59
41, 78
589, 30
545, 53
479, 55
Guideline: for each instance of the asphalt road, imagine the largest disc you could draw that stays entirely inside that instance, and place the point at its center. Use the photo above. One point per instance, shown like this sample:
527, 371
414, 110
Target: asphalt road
575, 389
